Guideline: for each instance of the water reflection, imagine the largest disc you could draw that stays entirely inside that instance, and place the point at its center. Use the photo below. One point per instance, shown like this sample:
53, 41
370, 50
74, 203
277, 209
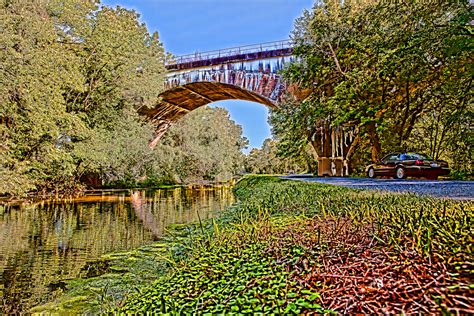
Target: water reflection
46, 243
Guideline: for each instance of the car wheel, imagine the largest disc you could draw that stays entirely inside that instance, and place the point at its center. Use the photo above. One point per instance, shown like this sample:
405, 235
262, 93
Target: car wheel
371, 173
400, 173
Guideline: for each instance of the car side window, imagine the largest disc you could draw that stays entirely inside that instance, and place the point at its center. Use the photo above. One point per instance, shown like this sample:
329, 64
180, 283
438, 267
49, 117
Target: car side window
392, 157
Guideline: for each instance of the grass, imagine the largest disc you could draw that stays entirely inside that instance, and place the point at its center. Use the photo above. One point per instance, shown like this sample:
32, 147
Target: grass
292, 247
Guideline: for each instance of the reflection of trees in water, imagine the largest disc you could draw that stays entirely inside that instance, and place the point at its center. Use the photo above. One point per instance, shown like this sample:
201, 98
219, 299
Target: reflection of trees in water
45, 243
177, 206
144, 215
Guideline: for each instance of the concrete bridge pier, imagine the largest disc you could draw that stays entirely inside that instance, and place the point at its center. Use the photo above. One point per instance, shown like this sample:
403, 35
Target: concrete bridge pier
333, 167
334, 146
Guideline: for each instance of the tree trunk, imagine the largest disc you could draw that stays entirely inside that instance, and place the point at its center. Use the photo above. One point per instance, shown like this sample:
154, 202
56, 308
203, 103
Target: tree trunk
352, 148
374, 141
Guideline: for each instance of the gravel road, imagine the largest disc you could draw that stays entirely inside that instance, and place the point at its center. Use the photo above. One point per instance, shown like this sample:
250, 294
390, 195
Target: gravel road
463, 190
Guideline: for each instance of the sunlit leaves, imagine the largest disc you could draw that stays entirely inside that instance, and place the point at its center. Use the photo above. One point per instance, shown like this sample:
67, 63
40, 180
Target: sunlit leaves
73, 73
205, 145
381, 66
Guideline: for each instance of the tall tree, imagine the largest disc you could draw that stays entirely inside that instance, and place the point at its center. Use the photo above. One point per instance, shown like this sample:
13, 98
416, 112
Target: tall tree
379, 66
71, 72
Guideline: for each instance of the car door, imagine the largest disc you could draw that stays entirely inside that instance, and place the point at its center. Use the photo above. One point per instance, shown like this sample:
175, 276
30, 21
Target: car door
387, 165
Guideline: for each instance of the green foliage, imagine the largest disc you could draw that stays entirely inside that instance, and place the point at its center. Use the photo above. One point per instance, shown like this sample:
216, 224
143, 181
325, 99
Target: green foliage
245, 186
401, 73
73, 75
226, 280
118, 152
205, 145
267, 160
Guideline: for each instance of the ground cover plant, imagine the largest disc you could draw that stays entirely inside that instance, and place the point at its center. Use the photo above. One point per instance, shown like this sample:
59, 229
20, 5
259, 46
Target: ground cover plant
293, 247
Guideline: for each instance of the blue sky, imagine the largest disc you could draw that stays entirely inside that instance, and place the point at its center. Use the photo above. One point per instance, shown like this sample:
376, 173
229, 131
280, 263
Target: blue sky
187, 26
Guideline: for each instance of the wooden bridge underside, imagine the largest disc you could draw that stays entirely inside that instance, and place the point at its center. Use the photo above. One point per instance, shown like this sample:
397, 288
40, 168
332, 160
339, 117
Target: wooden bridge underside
183, 99
177, 102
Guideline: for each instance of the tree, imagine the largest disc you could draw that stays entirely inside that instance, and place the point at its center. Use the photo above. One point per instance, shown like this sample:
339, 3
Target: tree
123, 70
378, 66
267, 160
71, 74
205, 145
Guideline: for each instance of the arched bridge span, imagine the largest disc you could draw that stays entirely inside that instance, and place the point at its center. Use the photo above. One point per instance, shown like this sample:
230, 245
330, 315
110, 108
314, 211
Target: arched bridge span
248, 73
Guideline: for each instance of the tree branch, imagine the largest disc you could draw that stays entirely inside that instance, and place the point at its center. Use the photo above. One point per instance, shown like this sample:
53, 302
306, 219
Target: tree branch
338, 65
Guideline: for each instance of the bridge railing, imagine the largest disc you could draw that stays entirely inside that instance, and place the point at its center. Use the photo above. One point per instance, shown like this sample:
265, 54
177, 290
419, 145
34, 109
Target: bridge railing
228, 52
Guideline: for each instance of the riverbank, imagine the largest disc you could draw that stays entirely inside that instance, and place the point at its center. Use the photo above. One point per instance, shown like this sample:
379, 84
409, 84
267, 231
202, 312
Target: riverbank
292, 247
101, 193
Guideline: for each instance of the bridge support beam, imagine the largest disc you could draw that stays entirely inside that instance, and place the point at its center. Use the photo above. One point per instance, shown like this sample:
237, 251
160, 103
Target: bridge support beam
160, 130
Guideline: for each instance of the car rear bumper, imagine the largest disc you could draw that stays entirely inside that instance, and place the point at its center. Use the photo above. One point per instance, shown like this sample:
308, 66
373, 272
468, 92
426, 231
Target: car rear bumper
421, 171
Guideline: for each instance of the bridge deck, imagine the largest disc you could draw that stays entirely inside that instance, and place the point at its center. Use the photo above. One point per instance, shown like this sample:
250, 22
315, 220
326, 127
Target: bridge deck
230, 55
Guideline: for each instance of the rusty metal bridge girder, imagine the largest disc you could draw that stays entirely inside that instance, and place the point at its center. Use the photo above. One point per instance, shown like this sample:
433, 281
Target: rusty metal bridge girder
231, 55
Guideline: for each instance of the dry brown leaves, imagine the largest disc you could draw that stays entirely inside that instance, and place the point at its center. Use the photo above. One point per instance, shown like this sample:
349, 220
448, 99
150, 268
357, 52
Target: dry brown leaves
356, 274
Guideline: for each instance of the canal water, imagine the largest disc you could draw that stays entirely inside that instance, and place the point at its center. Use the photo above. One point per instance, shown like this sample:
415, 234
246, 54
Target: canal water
45, 243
